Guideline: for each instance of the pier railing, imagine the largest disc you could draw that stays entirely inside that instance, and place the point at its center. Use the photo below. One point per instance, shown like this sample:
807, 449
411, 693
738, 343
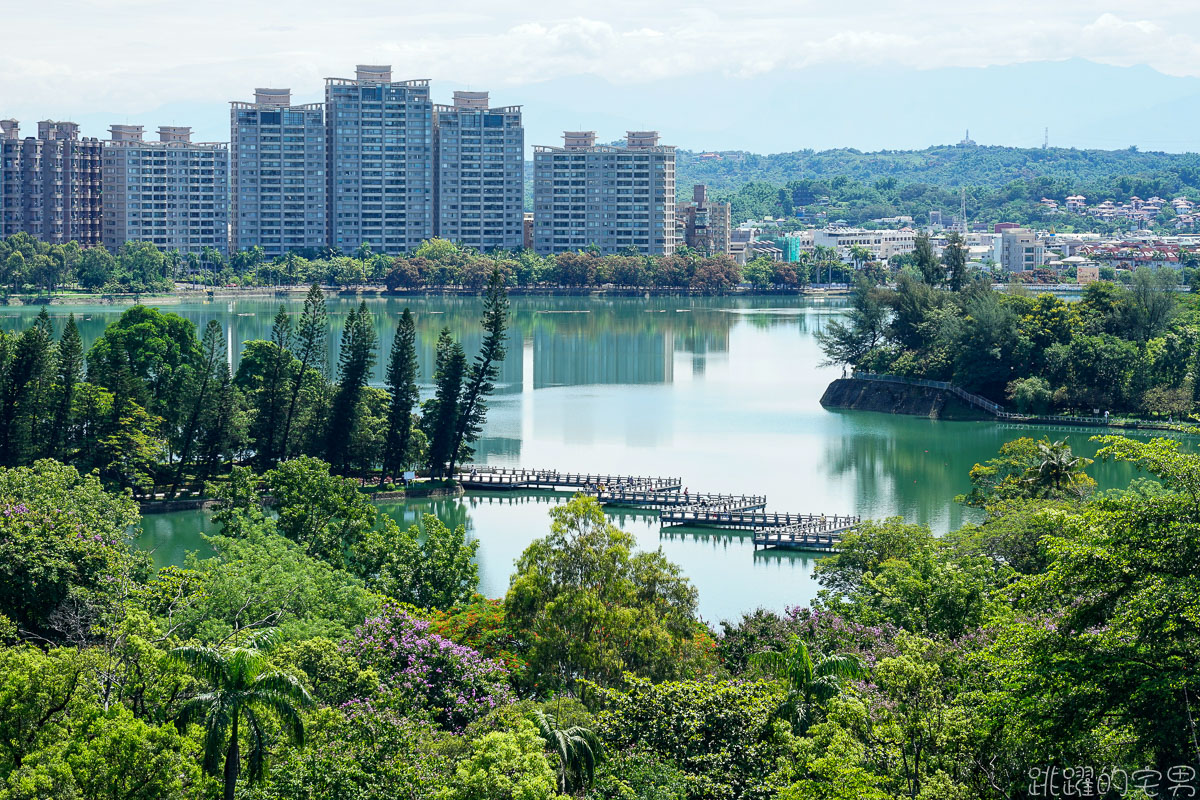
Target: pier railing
517, 477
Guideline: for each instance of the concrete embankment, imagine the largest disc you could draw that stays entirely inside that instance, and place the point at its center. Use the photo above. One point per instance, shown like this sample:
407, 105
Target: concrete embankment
898, 398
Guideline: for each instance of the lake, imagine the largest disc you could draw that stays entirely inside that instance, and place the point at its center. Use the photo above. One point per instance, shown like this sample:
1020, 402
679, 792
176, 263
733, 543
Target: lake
722, 392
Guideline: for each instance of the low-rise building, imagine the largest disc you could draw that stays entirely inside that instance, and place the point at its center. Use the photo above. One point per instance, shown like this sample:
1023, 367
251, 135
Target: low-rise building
1021, 250
883, 244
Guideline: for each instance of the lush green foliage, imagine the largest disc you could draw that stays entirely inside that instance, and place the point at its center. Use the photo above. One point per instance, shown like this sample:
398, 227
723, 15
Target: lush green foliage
588, 607
1003, 184
1120, 349
1059, 630
64, 550
158, 410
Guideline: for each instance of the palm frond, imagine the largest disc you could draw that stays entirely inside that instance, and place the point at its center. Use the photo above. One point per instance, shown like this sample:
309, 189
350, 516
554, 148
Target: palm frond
205, 662
771, 662
844, 666
256, 755
283, 684
281, 706
544, 723
195, 709
260, 639
216, 725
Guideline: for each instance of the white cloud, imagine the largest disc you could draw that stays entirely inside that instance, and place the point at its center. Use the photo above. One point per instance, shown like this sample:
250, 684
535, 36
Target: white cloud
126, 56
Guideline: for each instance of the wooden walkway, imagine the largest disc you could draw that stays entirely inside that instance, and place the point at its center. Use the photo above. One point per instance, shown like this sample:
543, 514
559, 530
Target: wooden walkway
750, 520
737, 512
641, 498
518, 478
819, 535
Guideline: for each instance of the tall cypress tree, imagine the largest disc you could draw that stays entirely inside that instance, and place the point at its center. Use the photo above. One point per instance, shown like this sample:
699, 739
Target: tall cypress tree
442, 410
202, 382
311, 338
481, 379
402, 385
69, 375
216, 436
926, 261
273, 396
25, 371
354, 367
37, 416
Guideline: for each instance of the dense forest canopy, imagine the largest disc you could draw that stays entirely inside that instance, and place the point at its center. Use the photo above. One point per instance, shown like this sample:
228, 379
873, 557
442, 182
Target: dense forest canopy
1086, 171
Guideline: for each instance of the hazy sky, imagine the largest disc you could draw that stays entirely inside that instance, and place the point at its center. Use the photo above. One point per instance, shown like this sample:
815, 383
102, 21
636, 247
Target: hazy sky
124, 57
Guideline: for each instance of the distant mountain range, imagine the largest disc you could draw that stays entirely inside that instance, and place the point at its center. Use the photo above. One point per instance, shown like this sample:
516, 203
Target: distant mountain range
1084, 105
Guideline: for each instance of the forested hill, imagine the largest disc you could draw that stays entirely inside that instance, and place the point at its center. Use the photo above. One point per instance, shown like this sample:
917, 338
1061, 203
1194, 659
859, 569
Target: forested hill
1060, 169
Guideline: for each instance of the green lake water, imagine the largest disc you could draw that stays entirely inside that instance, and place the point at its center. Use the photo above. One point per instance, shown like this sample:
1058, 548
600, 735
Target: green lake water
722, 392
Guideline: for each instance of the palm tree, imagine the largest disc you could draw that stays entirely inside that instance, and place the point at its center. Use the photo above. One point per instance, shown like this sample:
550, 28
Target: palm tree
578, 750
242, 688
810, 684
1056, 470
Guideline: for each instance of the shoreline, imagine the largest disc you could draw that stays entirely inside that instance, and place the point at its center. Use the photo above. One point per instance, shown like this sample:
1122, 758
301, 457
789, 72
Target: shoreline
921, 399
193, 295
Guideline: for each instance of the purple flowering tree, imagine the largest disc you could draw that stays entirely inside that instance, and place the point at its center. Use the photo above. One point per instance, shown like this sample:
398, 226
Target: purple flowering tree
420, 670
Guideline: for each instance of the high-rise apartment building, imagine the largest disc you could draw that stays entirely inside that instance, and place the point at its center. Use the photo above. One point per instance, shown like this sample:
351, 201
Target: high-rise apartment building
620, 199
703, 224
379, 139
277, 174
480, 173
50, 185
173, 192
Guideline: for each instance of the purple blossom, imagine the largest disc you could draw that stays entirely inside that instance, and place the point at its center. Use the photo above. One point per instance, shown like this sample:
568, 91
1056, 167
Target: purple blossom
422, 670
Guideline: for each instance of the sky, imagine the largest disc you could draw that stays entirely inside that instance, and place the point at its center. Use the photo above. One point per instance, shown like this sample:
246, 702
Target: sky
150, 62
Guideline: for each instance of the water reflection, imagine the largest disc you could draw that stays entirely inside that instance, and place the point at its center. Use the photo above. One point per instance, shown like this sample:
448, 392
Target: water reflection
723, 392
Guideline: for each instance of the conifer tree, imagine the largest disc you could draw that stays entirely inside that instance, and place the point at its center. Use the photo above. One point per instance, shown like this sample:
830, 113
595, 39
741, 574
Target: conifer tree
273, 396
311, 338
481, 378
441, 411
69, 376
218, 436
203, 381
354, 367
26, 368
402, 385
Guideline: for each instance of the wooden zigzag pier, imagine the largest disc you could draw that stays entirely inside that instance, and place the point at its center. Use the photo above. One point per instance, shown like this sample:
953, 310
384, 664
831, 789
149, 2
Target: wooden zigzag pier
677, 506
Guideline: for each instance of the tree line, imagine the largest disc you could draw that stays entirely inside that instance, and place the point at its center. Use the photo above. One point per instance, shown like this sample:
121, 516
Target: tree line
151, 404
27, 265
